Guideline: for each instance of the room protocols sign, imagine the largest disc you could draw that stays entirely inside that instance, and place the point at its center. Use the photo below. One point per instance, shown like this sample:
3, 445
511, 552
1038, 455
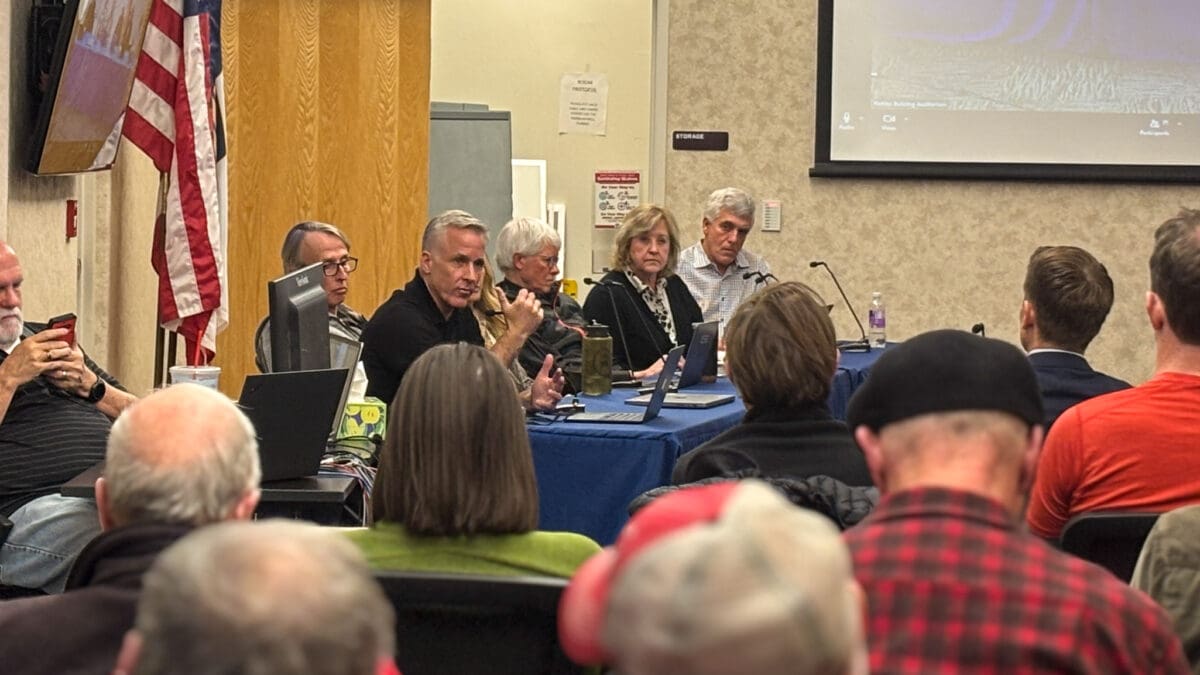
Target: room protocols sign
700, 140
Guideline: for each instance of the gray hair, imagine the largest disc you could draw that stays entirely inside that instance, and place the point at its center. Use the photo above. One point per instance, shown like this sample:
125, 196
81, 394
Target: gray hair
294, 239
523, 236
436, 228
184, 455
270, 597
730, 199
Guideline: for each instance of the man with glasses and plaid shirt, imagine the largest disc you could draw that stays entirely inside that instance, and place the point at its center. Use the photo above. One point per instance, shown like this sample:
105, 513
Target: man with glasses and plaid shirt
311, 242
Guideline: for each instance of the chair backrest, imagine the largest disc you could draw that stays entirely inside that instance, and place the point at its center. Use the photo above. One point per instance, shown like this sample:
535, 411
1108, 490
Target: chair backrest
1110, 539
465, 624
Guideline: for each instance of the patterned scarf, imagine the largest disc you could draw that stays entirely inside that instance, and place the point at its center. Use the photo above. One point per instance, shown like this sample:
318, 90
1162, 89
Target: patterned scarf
655, 298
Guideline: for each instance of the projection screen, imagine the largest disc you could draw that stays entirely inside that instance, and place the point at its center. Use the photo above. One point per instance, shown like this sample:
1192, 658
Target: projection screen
1061, 89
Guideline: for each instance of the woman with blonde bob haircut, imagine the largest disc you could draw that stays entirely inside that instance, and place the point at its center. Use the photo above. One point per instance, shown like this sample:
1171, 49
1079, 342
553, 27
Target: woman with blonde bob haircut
456, 490
646, 306
781, 354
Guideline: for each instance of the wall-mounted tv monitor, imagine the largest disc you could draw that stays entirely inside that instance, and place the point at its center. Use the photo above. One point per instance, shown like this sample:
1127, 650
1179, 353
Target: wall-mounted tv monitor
78, 126
299, 313
1028, 89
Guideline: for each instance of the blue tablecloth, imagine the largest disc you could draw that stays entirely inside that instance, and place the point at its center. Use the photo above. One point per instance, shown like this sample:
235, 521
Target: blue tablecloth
588, 473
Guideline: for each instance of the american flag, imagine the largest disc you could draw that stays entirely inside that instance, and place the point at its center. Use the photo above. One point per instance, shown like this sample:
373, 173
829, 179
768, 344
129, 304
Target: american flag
176, 115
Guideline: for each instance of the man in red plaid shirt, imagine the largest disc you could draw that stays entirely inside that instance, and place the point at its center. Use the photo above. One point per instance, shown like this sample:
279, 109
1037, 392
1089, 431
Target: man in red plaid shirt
951, 427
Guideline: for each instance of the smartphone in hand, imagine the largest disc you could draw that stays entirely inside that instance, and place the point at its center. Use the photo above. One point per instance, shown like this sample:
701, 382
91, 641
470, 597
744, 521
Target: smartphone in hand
65, 321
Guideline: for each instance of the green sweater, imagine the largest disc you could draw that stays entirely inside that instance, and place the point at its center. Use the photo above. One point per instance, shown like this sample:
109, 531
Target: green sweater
557, 554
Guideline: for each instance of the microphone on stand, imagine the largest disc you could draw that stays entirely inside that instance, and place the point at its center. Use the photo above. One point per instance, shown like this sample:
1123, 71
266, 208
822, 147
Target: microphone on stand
862, 344
759, 277
979, 330
617, 315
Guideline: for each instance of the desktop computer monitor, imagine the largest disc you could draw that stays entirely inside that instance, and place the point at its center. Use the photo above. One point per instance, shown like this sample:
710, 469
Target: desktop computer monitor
299, 321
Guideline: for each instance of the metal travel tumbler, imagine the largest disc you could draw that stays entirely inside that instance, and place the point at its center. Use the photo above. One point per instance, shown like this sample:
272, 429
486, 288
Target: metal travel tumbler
597, 360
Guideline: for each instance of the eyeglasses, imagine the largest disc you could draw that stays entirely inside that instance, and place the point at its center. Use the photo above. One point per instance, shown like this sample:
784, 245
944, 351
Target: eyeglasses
349, 264
550, 260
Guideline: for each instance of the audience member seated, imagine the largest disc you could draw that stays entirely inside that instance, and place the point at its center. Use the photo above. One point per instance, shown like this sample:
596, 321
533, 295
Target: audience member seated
951, 427
1067, 296
544, 390
527, 253
656, 309
307, 243
1135, 450
272, 597
56, 408
715, 268
781, 354
1169, 571
456, 490
723, 579
435, 307
182, 457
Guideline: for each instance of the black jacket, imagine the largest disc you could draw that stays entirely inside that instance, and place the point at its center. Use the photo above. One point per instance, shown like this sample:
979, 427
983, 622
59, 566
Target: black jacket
845, 505
560, 332
80, 631
1067, 379
637, 330
788, 443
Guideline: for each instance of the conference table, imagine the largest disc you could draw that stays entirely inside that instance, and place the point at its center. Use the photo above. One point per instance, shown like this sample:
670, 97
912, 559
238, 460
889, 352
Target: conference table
588, 473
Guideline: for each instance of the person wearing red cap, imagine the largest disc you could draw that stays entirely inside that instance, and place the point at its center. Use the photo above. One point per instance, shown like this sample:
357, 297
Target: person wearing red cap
721, 579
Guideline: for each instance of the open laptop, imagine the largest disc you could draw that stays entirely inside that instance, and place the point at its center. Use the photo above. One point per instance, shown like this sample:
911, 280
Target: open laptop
344, 352
292, 414
704, 341
699, 353
655, 399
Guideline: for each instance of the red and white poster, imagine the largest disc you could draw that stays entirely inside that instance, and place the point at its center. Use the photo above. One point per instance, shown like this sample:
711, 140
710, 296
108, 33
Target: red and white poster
617, 193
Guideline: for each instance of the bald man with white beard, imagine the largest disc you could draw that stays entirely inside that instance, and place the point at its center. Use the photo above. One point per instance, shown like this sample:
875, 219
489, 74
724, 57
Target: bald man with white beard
56, 409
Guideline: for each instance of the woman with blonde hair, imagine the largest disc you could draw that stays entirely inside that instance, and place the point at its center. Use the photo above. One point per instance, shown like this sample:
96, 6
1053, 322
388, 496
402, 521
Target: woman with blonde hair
645, 305
456, 490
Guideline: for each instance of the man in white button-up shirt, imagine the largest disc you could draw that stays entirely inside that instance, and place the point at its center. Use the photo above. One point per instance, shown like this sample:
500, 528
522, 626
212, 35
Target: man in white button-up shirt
718, 272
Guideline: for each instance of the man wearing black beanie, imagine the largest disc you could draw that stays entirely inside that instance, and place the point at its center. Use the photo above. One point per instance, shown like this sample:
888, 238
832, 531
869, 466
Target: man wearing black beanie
950, 424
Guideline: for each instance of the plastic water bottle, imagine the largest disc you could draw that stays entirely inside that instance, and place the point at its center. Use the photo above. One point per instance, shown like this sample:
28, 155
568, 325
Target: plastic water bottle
877, 322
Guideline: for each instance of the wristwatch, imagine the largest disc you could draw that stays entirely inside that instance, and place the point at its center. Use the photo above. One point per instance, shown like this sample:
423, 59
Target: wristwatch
96, 393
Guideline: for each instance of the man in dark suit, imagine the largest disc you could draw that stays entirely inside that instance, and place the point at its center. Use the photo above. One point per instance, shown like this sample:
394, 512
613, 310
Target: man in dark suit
1068, 294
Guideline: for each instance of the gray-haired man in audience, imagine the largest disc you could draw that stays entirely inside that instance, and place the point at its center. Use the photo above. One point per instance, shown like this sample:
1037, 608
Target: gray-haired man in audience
716, 268
268, 598
182, 457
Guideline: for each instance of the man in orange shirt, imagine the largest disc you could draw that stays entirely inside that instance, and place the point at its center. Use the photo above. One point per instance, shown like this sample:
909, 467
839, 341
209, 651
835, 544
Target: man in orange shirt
1136, 450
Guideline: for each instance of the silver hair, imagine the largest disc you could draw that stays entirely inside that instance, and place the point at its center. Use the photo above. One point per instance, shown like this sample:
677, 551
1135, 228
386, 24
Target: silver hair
221, 466
294, 239
523, 236
453, 219
270, 597
731, 199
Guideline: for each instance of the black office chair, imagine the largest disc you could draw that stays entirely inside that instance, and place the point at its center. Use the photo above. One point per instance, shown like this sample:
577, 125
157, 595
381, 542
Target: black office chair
1111, 539
466, 624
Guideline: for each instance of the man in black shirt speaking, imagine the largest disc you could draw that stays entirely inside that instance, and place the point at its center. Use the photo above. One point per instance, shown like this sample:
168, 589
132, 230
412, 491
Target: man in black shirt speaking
435, 307
56, 408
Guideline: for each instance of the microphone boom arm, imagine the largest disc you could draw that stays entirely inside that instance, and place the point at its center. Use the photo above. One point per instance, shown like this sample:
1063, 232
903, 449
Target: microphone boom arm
854, 346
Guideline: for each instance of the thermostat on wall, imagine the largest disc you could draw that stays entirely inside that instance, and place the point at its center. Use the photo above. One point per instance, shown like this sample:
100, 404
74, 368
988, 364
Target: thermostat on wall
772, 215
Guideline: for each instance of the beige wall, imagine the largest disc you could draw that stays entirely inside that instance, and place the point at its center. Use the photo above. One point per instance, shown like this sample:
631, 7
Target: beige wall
511, 56
944, 253
33, 217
